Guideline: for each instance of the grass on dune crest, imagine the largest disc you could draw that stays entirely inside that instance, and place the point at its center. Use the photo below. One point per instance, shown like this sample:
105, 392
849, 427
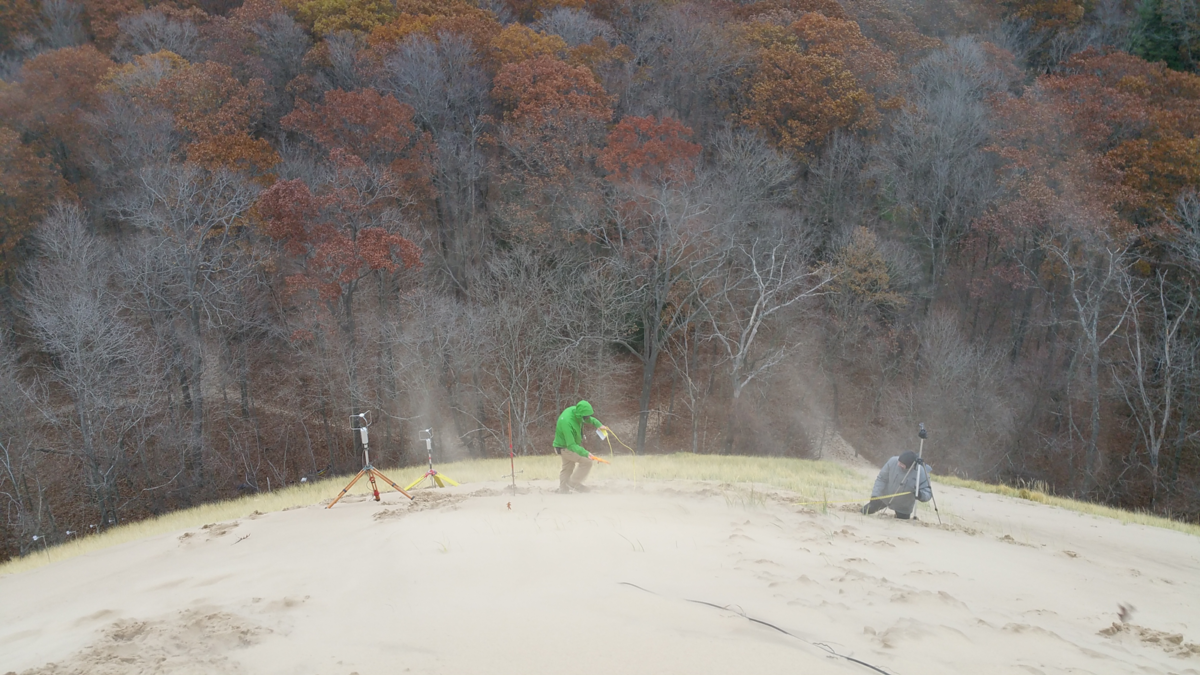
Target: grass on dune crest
807, 477
811, 480
1090, 508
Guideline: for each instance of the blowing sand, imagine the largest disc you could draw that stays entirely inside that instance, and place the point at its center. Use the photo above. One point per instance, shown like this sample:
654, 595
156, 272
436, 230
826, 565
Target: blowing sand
476, 579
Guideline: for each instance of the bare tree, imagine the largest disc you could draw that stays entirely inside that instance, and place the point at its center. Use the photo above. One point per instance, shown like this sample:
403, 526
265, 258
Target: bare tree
692, 63
448, 90
936, 162
1183, 16
1092, 266
664, 253
1150, 379
102, 381
347, 62
61, 24
961, 390
750, 179
530, 324
282, 44
22, 493
835, 194
152, 31
184, 271
576, 26
762, 280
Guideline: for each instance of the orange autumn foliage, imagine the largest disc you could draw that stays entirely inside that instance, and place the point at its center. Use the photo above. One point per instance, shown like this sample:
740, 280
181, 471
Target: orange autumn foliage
1143, 118
518, 43
56, 93
792, 9
17, 18
527, 11
1048, 15
217, 112
819, 35
534, 89
432, 19
798, 100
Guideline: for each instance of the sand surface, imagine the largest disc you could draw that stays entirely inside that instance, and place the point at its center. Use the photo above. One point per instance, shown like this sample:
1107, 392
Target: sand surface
476, 579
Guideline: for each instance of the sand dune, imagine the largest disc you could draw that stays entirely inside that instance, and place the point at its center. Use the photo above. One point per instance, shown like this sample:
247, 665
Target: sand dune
664, 577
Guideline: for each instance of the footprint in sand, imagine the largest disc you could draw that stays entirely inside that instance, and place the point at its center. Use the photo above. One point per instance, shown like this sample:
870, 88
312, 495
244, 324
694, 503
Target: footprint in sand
212, 530
203, 638
940, 598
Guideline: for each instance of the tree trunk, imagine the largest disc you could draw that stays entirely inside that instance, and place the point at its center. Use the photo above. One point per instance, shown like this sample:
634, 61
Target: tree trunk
1094, 463
644, 401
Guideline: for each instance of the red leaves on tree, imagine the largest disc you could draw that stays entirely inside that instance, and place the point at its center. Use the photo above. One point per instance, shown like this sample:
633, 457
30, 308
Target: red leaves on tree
644, 148
375, 128
321, 232
381, 163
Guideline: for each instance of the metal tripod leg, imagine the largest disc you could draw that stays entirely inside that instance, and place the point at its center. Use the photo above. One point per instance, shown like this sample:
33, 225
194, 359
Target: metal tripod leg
389, 482
347, 488
371, 472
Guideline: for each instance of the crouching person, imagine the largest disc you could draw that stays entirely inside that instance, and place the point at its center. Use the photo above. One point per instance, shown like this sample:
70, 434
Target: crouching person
568, 444
901, 482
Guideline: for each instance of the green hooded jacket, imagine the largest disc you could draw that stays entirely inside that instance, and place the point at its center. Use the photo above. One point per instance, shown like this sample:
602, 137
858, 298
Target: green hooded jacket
568, 432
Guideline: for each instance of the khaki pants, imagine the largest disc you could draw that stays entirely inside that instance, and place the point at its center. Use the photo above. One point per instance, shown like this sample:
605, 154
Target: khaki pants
574, 468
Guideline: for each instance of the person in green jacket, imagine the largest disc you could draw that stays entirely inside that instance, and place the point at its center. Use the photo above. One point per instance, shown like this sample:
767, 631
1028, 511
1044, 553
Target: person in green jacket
568, 444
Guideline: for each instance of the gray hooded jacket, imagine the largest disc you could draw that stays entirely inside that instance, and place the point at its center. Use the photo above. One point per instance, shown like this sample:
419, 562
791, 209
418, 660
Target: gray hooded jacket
893, 479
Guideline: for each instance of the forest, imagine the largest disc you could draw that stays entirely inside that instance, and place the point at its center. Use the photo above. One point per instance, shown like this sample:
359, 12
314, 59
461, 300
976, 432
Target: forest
734, 227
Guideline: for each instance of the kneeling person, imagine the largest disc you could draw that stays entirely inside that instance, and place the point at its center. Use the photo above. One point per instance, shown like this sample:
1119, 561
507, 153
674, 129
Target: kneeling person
905, 476
568, 444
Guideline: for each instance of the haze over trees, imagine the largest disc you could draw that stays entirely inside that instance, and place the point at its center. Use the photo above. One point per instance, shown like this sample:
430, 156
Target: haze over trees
737, 227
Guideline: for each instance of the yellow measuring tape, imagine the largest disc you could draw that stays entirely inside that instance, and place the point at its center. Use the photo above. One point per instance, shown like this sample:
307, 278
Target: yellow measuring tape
613, 455
852, 501
823, 501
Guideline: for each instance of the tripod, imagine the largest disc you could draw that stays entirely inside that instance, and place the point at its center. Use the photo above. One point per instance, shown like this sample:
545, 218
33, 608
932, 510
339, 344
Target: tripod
922, 434
432, 474
368, 470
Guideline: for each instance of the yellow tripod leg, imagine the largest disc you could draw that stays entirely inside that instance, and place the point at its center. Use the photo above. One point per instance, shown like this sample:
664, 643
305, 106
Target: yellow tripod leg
443, 477
415, 483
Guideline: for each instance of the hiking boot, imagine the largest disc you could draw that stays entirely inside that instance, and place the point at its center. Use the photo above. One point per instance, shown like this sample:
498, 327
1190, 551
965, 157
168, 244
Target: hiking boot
581, 488
563, 490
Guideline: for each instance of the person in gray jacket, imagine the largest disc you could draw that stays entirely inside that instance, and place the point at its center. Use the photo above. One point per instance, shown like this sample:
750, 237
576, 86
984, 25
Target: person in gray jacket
905, 476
